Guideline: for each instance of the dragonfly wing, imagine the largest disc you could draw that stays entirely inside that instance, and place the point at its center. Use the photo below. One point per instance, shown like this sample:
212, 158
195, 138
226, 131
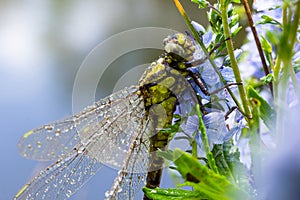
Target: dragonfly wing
51, 141
106, 139
133, 174
112, 144
61, 179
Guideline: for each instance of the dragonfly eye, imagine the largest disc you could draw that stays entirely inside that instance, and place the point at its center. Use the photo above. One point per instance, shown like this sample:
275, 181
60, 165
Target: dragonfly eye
180, 45
175, 49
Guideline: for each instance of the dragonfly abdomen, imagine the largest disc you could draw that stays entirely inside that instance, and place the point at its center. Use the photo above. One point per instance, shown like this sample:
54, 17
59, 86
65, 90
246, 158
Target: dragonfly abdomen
161, 116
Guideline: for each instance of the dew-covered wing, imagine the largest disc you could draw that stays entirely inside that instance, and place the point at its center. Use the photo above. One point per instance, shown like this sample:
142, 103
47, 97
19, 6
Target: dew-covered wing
61, 179
51, 141
106, 138
133, 174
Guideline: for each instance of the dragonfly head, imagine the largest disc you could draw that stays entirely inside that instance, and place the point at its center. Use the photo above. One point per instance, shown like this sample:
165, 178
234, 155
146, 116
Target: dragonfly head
163, 73
180, 47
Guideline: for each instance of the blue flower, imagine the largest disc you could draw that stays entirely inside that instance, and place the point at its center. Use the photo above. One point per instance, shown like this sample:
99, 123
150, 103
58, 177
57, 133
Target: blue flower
216, 128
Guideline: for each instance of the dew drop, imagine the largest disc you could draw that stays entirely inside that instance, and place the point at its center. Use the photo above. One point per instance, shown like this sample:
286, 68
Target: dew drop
107, 194
80, 150
72, 182
39, 144
69, 193
48, 128
57, 132
29, 146
47, 181
49, 138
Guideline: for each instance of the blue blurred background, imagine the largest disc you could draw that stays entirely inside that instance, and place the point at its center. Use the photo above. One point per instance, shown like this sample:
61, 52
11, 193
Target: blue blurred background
42, 45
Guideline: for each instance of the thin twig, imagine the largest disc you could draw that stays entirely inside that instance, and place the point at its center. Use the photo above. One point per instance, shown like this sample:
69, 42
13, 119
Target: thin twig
257, 41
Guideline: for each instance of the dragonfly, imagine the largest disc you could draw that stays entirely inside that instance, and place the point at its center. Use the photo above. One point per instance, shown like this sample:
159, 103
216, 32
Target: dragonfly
124, 130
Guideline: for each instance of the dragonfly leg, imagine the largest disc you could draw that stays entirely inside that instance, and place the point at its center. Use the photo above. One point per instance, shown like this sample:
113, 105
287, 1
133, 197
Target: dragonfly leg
232, 109
224, 87
197, 79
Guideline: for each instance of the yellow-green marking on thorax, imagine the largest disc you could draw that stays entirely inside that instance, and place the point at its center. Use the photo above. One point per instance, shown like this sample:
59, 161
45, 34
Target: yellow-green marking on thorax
161, 78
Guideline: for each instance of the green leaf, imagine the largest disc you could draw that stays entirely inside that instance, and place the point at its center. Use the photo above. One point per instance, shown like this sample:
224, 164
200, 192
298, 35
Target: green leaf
274, 37
275, 7
172, 193
267, 113
223, 165
268, 20
267, 79
204, 180
234, 20
235, 30
235, 1
215, 20
201, 3
297, 67
228, 161
227, 2
267, 47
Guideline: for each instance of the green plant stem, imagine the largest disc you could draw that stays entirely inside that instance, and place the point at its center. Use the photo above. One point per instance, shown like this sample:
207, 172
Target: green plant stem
285, 53
295, 82
255, 142
277, 67
198, 39
233, 61
210, 158
194, 146
295, 24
